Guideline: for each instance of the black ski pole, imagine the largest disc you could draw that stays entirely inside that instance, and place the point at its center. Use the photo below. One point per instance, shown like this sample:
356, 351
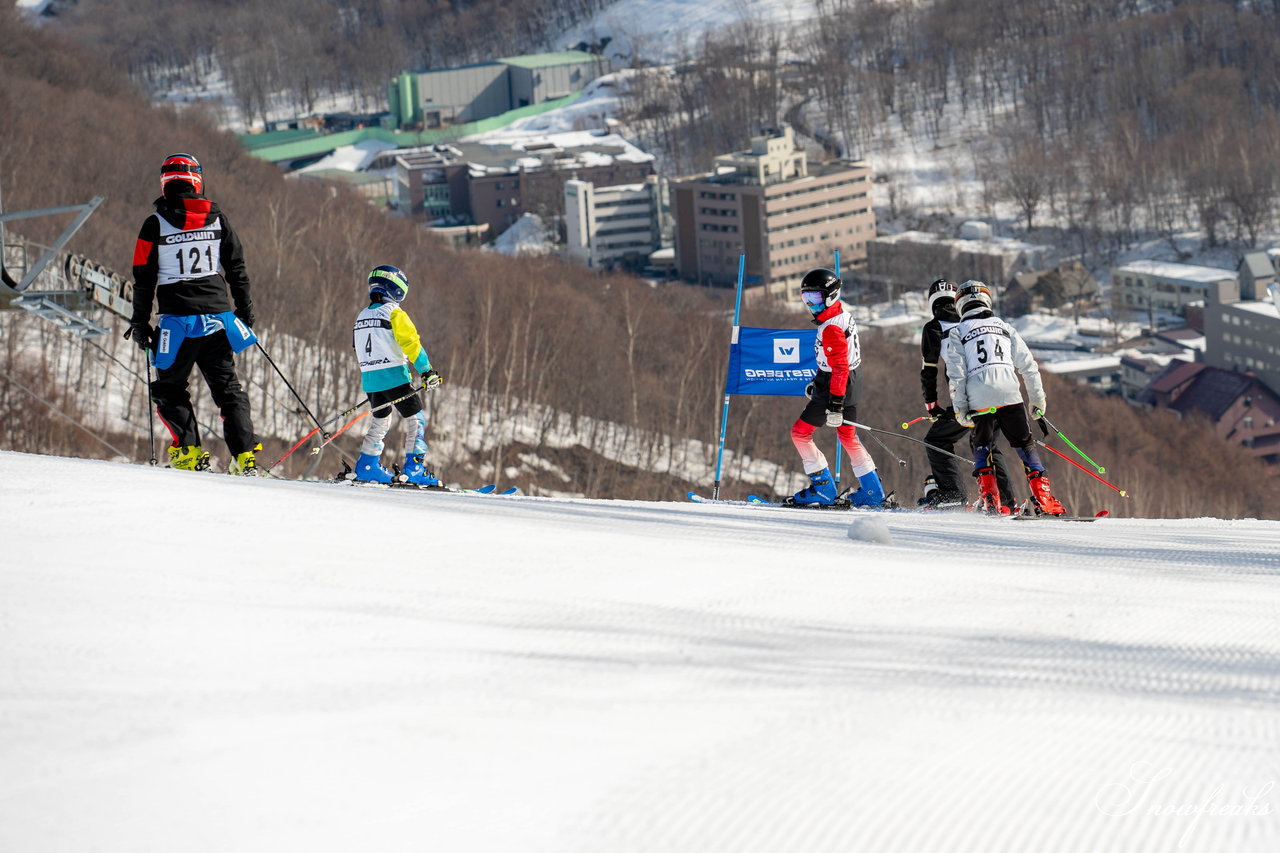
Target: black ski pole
296, 396
916, 440
902, 462
151, 405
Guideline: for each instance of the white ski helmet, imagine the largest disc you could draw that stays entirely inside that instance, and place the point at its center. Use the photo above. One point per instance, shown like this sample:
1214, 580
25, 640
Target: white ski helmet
974, 297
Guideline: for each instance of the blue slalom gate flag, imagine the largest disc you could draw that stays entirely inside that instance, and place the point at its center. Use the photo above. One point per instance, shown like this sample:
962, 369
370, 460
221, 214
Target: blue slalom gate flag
771, 362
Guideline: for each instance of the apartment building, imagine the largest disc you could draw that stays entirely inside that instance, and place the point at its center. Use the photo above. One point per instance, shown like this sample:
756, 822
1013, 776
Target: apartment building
611, 226
1243, 334
494, 184
786, 215
1161, 287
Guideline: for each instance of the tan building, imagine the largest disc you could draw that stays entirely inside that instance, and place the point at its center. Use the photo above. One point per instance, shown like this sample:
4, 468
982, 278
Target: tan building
912, 259
768, 203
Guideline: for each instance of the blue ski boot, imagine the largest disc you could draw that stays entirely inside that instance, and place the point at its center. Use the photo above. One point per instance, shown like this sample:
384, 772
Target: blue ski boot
821, 490
870, 492
415, 472
369, 469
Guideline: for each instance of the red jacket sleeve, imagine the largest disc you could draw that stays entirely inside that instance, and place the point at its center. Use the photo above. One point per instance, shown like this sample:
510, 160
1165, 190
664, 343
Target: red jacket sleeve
836, 346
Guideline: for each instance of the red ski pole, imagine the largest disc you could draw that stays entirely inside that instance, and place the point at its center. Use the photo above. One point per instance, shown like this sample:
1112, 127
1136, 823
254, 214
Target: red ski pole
1122, 492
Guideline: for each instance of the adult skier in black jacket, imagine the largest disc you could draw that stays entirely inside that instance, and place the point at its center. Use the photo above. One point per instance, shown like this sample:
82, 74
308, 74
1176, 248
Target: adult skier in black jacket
944, 431
186, 258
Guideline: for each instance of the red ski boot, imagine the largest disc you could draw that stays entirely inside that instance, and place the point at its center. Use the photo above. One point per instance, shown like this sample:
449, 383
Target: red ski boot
989, 498
1044, 500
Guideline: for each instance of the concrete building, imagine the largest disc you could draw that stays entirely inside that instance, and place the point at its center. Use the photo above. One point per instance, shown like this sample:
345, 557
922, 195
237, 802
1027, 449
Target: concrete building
448, 96
1160, 287
912, 259
479, 183
1243, 334
611, 226
785, 215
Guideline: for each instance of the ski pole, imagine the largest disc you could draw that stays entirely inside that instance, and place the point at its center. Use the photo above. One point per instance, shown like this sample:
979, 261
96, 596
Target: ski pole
348, 426
151, 404
916, 440
1045, 422
902, 462
336, 418
906, 424
1055, 452
270, 361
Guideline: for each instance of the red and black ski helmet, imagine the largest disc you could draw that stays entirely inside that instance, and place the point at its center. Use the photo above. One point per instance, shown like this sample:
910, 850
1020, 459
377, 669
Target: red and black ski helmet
182, 167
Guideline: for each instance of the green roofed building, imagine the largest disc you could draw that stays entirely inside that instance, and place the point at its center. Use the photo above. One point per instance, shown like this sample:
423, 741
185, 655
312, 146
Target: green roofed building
444, 97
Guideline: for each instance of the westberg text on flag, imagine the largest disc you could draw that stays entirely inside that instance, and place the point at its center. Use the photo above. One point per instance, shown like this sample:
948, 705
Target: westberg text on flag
771, 362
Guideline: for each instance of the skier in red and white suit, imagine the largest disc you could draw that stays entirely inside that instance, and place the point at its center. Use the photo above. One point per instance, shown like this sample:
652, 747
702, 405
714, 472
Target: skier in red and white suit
833, 398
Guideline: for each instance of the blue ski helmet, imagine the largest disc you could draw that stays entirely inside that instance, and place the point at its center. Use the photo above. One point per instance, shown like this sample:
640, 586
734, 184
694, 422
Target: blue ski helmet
389, 281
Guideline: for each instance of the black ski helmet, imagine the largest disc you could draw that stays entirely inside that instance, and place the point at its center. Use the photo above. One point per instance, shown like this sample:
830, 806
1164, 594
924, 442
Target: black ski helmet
974, 297
389, 281
941, 289
822, 281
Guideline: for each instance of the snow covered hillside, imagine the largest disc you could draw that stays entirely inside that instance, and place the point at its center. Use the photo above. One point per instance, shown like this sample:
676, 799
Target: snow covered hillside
195, 662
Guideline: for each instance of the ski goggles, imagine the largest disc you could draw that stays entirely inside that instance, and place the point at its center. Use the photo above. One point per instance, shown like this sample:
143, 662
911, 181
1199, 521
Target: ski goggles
814, 300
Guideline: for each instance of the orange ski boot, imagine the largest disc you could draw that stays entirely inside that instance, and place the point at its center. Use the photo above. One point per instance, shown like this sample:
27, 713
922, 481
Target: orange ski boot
1044, 500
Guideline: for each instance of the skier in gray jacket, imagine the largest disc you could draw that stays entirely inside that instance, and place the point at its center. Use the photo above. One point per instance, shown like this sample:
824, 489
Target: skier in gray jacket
985, 357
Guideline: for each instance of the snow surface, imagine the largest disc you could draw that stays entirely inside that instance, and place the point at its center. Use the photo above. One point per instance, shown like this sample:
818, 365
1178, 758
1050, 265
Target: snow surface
294, 666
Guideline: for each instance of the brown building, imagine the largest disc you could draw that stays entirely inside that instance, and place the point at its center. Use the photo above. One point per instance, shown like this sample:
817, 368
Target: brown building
769, 204
1243, 409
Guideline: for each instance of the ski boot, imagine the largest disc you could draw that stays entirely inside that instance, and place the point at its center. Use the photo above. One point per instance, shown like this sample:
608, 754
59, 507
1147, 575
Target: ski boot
189, 458
416, 472
870, 491
821, 490
929, 497
989, 498
1045, 502
369, 470
244, 465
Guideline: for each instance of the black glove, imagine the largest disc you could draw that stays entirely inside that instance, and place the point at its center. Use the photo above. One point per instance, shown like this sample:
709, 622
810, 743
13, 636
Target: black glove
245, 315
835, 411
431, 379
141, 333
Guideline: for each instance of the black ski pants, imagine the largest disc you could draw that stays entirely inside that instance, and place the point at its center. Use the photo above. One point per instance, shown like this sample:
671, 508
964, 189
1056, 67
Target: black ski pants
944, 434
212, 354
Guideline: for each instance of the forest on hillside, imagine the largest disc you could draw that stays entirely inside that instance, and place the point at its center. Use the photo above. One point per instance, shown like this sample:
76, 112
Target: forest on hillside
1103, 123
517, 334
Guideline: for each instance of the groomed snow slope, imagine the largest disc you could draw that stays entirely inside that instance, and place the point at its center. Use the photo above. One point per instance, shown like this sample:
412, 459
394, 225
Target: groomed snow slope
194, 662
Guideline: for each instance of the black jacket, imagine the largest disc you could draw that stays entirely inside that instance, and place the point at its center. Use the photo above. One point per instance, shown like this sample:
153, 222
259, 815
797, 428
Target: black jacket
186, 216
931, 338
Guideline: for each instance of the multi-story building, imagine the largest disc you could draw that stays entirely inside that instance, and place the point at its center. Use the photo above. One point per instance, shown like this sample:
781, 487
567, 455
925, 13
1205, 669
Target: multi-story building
448, 96
1160, 287
785, 215
912, 259
1243, 334
495, 184
609, 226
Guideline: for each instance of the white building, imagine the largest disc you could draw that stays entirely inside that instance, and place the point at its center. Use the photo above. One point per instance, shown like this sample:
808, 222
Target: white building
1162, 287
614, 225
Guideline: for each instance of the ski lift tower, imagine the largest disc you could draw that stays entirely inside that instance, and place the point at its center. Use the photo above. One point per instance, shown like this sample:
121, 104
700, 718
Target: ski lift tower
22, 263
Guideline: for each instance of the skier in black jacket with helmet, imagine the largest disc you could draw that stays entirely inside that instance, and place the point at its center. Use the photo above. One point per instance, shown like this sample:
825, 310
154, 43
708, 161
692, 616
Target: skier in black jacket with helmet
947, 489
186, 258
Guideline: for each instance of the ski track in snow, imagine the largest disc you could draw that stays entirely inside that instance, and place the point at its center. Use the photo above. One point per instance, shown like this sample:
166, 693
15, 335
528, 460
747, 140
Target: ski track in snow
261, 665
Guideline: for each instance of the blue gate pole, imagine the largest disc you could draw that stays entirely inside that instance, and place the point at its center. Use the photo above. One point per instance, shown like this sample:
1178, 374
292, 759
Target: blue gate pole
724, 413
837, 474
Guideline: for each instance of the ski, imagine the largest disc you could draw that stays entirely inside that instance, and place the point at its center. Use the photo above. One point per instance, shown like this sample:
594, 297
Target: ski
699, 499
1047, 517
